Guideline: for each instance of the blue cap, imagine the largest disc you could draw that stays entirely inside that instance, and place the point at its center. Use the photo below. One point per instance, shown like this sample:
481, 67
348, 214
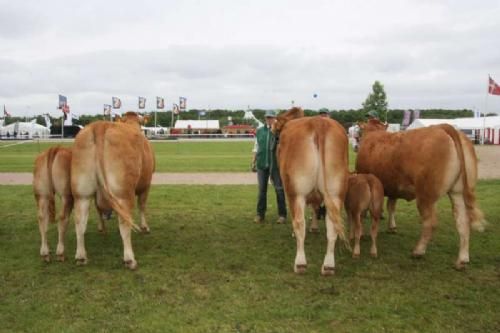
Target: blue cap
270, 114
372, 114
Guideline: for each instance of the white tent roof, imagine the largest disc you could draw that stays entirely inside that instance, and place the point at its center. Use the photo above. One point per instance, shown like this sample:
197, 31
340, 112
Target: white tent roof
23, 128
460, 123
197, 124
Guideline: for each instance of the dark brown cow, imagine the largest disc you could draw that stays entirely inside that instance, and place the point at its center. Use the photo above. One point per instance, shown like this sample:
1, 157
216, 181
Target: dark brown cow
117, 161
425, 164
365, 192
312, 156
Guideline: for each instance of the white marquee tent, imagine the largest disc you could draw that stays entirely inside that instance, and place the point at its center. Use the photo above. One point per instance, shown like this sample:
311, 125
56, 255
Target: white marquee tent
490, 125
25, 130
197, 124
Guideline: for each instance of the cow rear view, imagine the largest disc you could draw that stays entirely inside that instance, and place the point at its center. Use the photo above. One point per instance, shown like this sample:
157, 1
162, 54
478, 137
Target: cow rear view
116, 161
312, 156
51, 177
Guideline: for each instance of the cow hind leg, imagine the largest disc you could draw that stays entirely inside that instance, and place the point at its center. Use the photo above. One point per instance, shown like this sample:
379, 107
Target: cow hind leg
373, 234
125, 224
67, 203
463, 228
357, 235
427, 211
43, 225
328, 267
81, 217
141, 202
297, 207
391, 209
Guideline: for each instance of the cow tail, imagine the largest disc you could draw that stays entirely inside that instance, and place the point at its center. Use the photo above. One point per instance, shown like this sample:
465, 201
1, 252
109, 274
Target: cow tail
332, 210
474, 214
51, 156
124, 213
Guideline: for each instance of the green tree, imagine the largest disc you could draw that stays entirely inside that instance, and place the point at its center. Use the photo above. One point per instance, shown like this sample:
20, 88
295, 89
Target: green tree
376, 101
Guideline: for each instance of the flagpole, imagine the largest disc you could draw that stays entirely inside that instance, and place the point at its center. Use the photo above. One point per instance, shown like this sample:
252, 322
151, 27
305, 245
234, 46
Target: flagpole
485, 110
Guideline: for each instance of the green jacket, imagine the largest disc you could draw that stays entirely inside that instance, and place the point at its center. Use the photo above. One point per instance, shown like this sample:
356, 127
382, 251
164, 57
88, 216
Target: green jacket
266, 149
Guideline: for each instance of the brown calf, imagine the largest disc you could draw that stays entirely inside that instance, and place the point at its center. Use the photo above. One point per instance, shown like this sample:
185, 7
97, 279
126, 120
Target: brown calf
365, 192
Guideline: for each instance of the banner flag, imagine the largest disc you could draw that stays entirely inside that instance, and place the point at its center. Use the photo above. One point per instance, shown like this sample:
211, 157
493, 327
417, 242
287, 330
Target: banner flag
182, 103
175, 109
160, 103
116, 102
142, 102
5, 113
493, 87
107, 109
62, 101
416, 114
406, 118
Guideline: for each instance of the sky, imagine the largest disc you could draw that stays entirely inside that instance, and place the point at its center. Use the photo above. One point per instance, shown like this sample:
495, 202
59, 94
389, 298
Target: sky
232, 54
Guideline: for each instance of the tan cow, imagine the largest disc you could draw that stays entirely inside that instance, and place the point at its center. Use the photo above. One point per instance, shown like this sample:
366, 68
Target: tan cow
116, 160
51, 177
312, 155
365, 192
425, 164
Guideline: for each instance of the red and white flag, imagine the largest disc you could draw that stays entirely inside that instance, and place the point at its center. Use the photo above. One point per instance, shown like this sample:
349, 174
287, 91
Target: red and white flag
493, 87
5, 113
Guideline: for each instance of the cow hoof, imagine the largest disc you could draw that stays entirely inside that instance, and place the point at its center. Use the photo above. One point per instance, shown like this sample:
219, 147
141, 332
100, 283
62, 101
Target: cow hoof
130, 264
300, 269
46, 258
374, 255
460, 265
60, 257
314, 230
145, 230
355, 256
392, 230
416, 255
81, 262
327, 271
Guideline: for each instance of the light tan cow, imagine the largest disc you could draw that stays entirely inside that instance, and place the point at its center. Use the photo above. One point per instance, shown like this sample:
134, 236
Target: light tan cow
425, 164
313, 157
116, 160
51, 177
365, 192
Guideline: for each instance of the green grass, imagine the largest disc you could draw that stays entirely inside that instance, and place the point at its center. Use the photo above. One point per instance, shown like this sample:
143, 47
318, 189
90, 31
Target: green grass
178, 156
206, 267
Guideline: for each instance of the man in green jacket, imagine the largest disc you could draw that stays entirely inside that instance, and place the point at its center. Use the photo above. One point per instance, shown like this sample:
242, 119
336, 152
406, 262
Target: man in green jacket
264, 160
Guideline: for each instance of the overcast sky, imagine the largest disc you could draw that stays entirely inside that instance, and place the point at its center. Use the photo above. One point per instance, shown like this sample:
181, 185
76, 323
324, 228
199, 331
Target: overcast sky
233, 54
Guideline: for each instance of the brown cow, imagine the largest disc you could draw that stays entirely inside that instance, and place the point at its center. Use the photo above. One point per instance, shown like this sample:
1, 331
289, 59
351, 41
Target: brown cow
116, 160
365, 192
312, 156
425, 164
51, 176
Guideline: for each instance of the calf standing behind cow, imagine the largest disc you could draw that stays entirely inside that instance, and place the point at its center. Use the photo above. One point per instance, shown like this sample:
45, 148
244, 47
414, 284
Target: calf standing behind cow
313, 158
425, 164
365, 192
51, 176
116, 160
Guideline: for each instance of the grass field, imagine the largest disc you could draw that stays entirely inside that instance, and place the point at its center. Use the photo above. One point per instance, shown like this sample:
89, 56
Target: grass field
180, 156
206, 267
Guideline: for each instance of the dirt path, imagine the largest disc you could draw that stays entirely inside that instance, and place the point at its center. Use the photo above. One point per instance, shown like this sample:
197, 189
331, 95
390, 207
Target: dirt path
489, 168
